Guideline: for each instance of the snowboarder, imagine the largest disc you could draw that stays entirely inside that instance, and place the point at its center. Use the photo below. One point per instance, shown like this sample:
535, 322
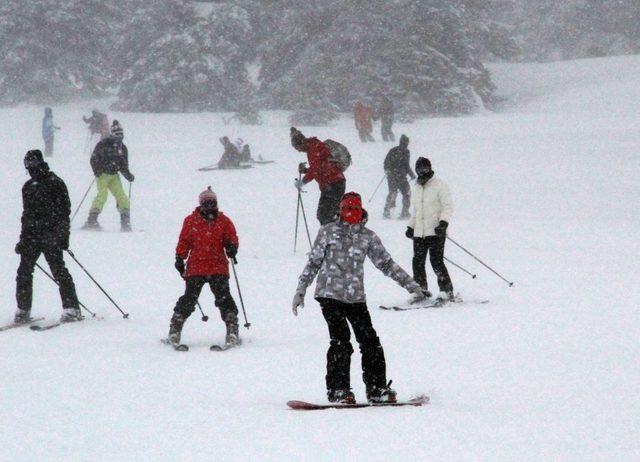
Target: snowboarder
45, 230
48, 131
98, 123
231, 156
338, 257
327, 173
432, 210
110, 157
385, 112
396, 168
207, 239
362, 115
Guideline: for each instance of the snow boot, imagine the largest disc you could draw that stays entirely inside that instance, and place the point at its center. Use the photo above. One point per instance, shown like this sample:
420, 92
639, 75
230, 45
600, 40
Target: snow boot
92, 220
175, 328
71, 315
341, 395
22, 316
445, 296
233, 337
381, 394
125, 221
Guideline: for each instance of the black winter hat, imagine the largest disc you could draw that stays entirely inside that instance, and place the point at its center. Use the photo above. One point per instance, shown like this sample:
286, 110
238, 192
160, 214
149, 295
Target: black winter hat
423, 164
297, 138
404, 140
33, 158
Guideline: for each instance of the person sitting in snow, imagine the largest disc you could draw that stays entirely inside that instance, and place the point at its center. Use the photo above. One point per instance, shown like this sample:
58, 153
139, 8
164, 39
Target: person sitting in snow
231, 156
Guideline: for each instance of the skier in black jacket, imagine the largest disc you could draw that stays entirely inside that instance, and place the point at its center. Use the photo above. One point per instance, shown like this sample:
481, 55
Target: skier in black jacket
45, 229
396, 167
386, 112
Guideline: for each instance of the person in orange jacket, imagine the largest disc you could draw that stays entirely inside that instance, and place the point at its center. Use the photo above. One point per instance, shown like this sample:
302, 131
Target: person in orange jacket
362, 115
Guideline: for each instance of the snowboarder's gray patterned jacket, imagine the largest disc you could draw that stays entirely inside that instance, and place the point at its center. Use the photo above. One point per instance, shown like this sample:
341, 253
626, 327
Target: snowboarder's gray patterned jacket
338, 255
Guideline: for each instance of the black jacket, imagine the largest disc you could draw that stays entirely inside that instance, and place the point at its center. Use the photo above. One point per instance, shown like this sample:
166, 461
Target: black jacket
385, 110
396, 164
46, 210
110, 156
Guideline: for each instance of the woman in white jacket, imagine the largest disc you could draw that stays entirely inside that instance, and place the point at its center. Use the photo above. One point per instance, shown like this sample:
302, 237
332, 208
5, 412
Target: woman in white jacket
432, 210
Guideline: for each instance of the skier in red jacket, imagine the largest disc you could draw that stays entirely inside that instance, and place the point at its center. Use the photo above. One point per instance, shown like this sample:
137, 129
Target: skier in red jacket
362, 115
207, 239
327, 173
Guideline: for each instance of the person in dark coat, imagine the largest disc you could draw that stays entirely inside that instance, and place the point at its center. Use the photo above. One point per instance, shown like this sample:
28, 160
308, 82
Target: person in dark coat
45, 230
98, 123
231, 156
48, 131
386, 114
397, 168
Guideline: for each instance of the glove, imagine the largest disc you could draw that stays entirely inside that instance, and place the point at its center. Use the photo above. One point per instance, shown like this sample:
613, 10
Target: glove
231, 251
63, 241
299, 184
441, 229
128, 176
298, 301
19, 247
409, 232
179, 264
418, 295
302, 168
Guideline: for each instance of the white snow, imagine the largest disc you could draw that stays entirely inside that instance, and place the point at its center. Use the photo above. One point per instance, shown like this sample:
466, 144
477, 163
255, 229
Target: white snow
546, 193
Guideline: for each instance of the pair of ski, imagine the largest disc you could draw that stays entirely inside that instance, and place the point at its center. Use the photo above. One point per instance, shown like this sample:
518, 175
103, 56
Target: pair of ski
184, 347
305, 406
241, 166
37, 327
431, 303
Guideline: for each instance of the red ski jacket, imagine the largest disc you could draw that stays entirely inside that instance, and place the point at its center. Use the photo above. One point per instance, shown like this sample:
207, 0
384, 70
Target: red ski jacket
202, 242
321, 168
362, 115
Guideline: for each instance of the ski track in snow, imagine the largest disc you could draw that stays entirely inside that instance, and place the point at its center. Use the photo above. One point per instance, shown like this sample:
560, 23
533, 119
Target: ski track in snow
546, 193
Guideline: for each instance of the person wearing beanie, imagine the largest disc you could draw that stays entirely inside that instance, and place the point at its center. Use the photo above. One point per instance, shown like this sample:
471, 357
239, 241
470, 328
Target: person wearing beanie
396, 168
207, 240
327, 174
337, 258
48, 131
432, 210
110, 158
45, 230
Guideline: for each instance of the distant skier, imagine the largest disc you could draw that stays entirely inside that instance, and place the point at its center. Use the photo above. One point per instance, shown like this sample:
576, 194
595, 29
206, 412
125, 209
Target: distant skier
231, 156
48, 131
427, 228
98, 123
207, 239
338, 257
45, 230
385, 112
111, 157
396, 167
328, 175
362, 115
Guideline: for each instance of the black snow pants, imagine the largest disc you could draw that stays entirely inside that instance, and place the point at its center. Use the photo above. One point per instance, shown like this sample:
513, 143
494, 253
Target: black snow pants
219, 285
24, 278
401, 185
434, 245
329, 203
374, 369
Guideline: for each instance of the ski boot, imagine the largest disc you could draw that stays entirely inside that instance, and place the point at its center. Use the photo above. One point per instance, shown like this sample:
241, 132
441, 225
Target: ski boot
22, 316
447, 296
175, 328
125, 221
341, 395
92, 220
381, 394
386, 214
71, 315
233, 337
404, 214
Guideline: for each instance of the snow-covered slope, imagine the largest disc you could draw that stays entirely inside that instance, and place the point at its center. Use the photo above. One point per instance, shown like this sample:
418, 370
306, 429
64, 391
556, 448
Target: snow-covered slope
546, 193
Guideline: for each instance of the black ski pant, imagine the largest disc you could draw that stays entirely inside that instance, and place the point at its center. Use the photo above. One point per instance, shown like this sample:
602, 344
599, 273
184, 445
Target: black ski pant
365, 136
329, 203
398, 185
338, 316
24, 278
385, 129
219, 285
434, 245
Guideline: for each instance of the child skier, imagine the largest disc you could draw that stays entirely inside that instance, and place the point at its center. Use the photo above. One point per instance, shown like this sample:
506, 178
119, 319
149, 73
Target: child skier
207, 234
338, 257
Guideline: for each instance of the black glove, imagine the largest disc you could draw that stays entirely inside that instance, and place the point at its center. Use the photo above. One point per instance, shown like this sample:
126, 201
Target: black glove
128, 176
232, 251
19, 247
409, 232
179, 264
63, 242
441, 229
302, 168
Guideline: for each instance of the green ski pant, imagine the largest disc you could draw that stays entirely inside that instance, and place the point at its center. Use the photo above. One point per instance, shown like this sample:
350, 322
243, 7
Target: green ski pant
111, 183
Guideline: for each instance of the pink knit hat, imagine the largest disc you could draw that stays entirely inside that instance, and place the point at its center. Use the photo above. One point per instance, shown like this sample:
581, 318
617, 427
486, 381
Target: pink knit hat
207, 195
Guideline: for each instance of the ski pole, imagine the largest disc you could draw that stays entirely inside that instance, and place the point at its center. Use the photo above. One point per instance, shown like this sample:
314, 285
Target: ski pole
295, 239
235, 275
205, 318
93, 315
473, 276
482, 263
377, 187
124, 315
130, 190
304, 217
83, 198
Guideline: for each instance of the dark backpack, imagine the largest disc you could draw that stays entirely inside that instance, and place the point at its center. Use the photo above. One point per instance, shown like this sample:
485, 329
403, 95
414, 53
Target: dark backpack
339, 154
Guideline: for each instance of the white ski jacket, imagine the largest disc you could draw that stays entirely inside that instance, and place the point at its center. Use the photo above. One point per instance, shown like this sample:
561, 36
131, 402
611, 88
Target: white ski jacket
431, 203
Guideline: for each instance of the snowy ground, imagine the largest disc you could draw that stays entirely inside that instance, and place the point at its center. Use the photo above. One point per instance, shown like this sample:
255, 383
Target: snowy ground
546, 192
